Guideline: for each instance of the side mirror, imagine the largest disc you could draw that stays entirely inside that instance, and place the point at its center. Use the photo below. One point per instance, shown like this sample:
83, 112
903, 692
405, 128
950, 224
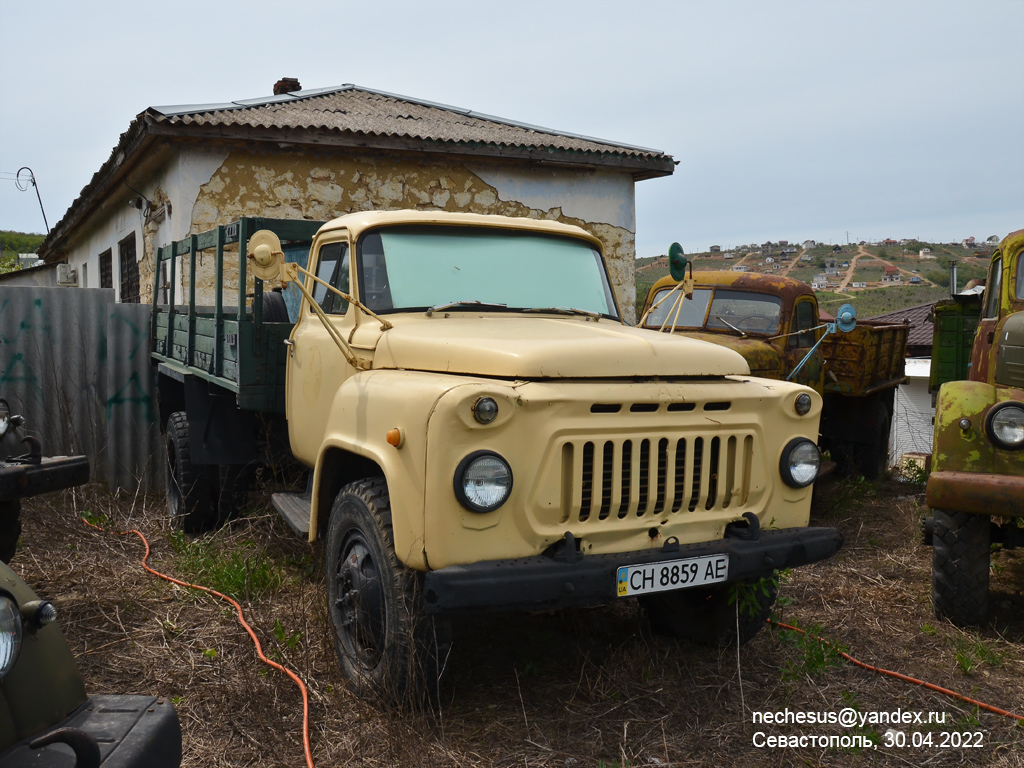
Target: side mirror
677, 262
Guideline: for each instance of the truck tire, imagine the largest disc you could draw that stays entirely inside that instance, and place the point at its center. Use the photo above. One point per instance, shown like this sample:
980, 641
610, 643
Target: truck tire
706, 616
274, 308
10, 528
387, 647
189, 496
960, 565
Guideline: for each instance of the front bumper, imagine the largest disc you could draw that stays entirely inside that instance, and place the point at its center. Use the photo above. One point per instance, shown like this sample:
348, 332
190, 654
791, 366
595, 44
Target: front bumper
20, 479
544, 583
978, 493
126, 732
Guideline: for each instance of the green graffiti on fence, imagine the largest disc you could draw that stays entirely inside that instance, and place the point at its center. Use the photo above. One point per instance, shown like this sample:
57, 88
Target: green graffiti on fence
18, 372
131, 392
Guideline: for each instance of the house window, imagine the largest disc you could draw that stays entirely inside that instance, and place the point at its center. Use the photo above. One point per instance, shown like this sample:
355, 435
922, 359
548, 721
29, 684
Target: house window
106, 275
129, 270
85, 275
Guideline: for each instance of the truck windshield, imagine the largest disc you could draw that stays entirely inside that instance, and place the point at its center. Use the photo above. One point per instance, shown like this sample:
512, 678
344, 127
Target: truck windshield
728, 311
416, 268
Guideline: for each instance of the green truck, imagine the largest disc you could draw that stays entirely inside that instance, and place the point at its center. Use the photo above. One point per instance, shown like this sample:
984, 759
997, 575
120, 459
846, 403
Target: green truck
976, 487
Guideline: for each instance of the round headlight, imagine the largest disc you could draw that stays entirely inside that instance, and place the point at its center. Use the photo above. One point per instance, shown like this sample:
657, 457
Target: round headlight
800, 463
485, 410
1006, 425
10, 634
483, 481
803, 404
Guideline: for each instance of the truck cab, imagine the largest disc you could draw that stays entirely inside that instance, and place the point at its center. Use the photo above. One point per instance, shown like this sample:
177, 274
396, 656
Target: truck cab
482, 432
775, 324
976, 486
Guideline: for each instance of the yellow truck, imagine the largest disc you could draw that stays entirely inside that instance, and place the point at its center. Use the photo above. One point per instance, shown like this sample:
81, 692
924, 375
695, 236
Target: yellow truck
774, 322
481, 432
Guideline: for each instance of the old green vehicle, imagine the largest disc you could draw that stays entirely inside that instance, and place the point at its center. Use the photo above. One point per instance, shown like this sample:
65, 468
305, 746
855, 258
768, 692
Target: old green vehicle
46, 717
976, 487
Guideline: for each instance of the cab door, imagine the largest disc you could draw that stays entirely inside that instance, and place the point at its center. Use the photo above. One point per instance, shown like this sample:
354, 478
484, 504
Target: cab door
802, 339
984, 337
316, 367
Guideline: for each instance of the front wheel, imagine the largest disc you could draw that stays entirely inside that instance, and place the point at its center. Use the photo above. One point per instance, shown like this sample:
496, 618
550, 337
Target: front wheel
387, 647
960, 565
708, 615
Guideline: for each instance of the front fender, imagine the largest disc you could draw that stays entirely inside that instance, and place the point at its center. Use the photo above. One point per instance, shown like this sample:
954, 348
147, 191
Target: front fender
365, 408
966, 457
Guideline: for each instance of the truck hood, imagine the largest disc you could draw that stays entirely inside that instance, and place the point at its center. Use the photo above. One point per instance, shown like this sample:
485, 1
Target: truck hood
763, 359
528, 347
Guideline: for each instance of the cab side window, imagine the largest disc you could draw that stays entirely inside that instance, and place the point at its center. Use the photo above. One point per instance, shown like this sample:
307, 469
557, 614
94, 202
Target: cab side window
993, 289
332, 268
804, 319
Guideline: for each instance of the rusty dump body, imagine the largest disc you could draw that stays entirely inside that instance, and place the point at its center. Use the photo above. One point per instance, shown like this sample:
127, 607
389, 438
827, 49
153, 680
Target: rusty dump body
971, 471
774, 323
864, 361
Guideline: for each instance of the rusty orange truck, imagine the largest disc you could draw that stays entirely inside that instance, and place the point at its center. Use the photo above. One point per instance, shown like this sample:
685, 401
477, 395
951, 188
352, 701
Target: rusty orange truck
978, 451
775, 324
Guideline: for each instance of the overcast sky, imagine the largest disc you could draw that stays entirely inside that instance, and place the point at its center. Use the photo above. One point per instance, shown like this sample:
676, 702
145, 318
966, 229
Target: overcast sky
789, 120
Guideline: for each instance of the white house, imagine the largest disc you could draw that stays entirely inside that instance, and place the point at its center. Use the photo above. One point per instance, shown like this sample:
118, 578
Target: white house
318, 154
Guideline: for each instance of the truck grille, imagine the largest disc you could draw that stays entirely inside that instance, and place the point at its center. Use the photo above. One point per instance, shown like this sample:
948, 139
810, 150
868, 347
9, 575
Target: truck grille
651, 476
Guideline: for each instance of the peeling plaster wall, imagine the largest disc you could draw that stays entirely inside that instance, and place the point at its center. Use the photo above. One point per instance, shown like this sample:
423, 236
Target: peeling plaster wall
177, 182
306, 186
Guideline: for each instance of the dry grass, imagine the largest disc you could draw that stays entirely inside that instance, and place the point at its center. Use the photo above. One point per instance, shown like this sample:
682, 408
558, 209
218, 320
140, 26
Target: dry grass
587, 688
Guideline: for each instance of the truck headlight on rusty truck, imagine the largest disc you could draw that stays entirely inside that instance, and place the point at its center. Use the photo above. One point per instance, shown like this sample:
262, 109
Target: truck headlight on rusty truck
1005, 425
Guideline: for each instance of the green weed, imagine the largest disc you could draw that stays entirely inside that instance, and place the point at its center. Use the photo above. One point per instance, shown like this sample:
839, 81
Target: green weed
243, 573
289, 641
815, 656
970, 653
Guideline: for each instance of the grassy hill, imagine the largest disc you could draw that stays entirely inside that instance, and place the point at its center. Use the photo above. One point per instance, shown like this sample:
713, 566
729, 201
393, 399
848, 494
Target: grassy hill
869, 301
13, 243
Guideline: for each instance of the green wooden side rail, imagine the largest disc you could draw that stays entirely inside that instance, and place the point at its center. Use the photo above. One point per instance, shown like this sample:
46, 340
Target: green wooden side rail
228, 346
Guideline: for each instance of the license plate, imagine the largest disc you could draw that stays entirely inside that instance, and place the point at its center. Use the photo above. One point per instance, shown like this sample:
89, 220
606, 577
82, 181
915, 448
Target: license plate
673, 574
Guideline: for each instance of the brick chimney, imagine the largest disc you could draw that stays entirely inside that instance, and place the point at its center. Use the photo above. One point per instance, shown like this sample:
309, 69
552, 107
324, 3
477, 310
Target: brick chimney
286, 85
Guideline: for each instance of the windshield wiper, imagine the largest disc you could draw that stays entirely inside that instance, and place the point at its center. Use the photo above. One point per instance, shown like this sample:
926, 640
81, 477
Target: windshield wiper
565, 311
465, 303
743, 334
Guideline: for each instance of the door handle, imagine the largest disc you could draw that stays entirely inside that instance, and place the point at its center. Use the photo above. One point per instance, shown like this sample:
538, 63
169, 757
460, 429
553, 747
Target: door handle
291, 347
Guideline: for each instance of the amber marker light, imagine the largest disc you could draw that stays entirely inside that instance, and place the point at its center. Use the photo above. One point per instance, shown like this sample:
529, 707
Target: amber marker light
396, 437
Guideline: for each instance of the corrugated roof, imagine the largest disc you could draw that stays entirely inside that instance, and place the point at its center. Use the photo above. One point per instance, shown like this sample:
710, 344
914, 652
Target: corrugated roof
362, 110
920, 326
355, 116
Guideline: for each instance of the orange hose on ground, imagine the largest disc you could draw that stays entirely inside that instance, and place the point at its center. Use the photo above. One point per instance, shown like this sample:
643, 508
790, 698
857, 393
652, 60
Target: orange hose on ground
898, 676
245, 625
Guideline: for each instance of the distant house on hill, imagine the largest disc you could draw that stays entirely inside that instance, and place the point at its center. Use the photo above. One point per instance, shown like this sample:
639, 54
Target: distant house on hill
318, 154
890, 241
926, 253
915, 280
808, 244
859, 285
716, 249
891, 274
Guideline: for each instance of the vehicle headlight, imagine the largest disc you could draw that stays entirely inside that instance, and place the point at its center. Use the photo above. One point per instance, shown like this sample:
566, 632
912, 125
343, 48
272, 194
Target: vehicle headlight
10, 634
800, 463
483, 481
1006, 425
